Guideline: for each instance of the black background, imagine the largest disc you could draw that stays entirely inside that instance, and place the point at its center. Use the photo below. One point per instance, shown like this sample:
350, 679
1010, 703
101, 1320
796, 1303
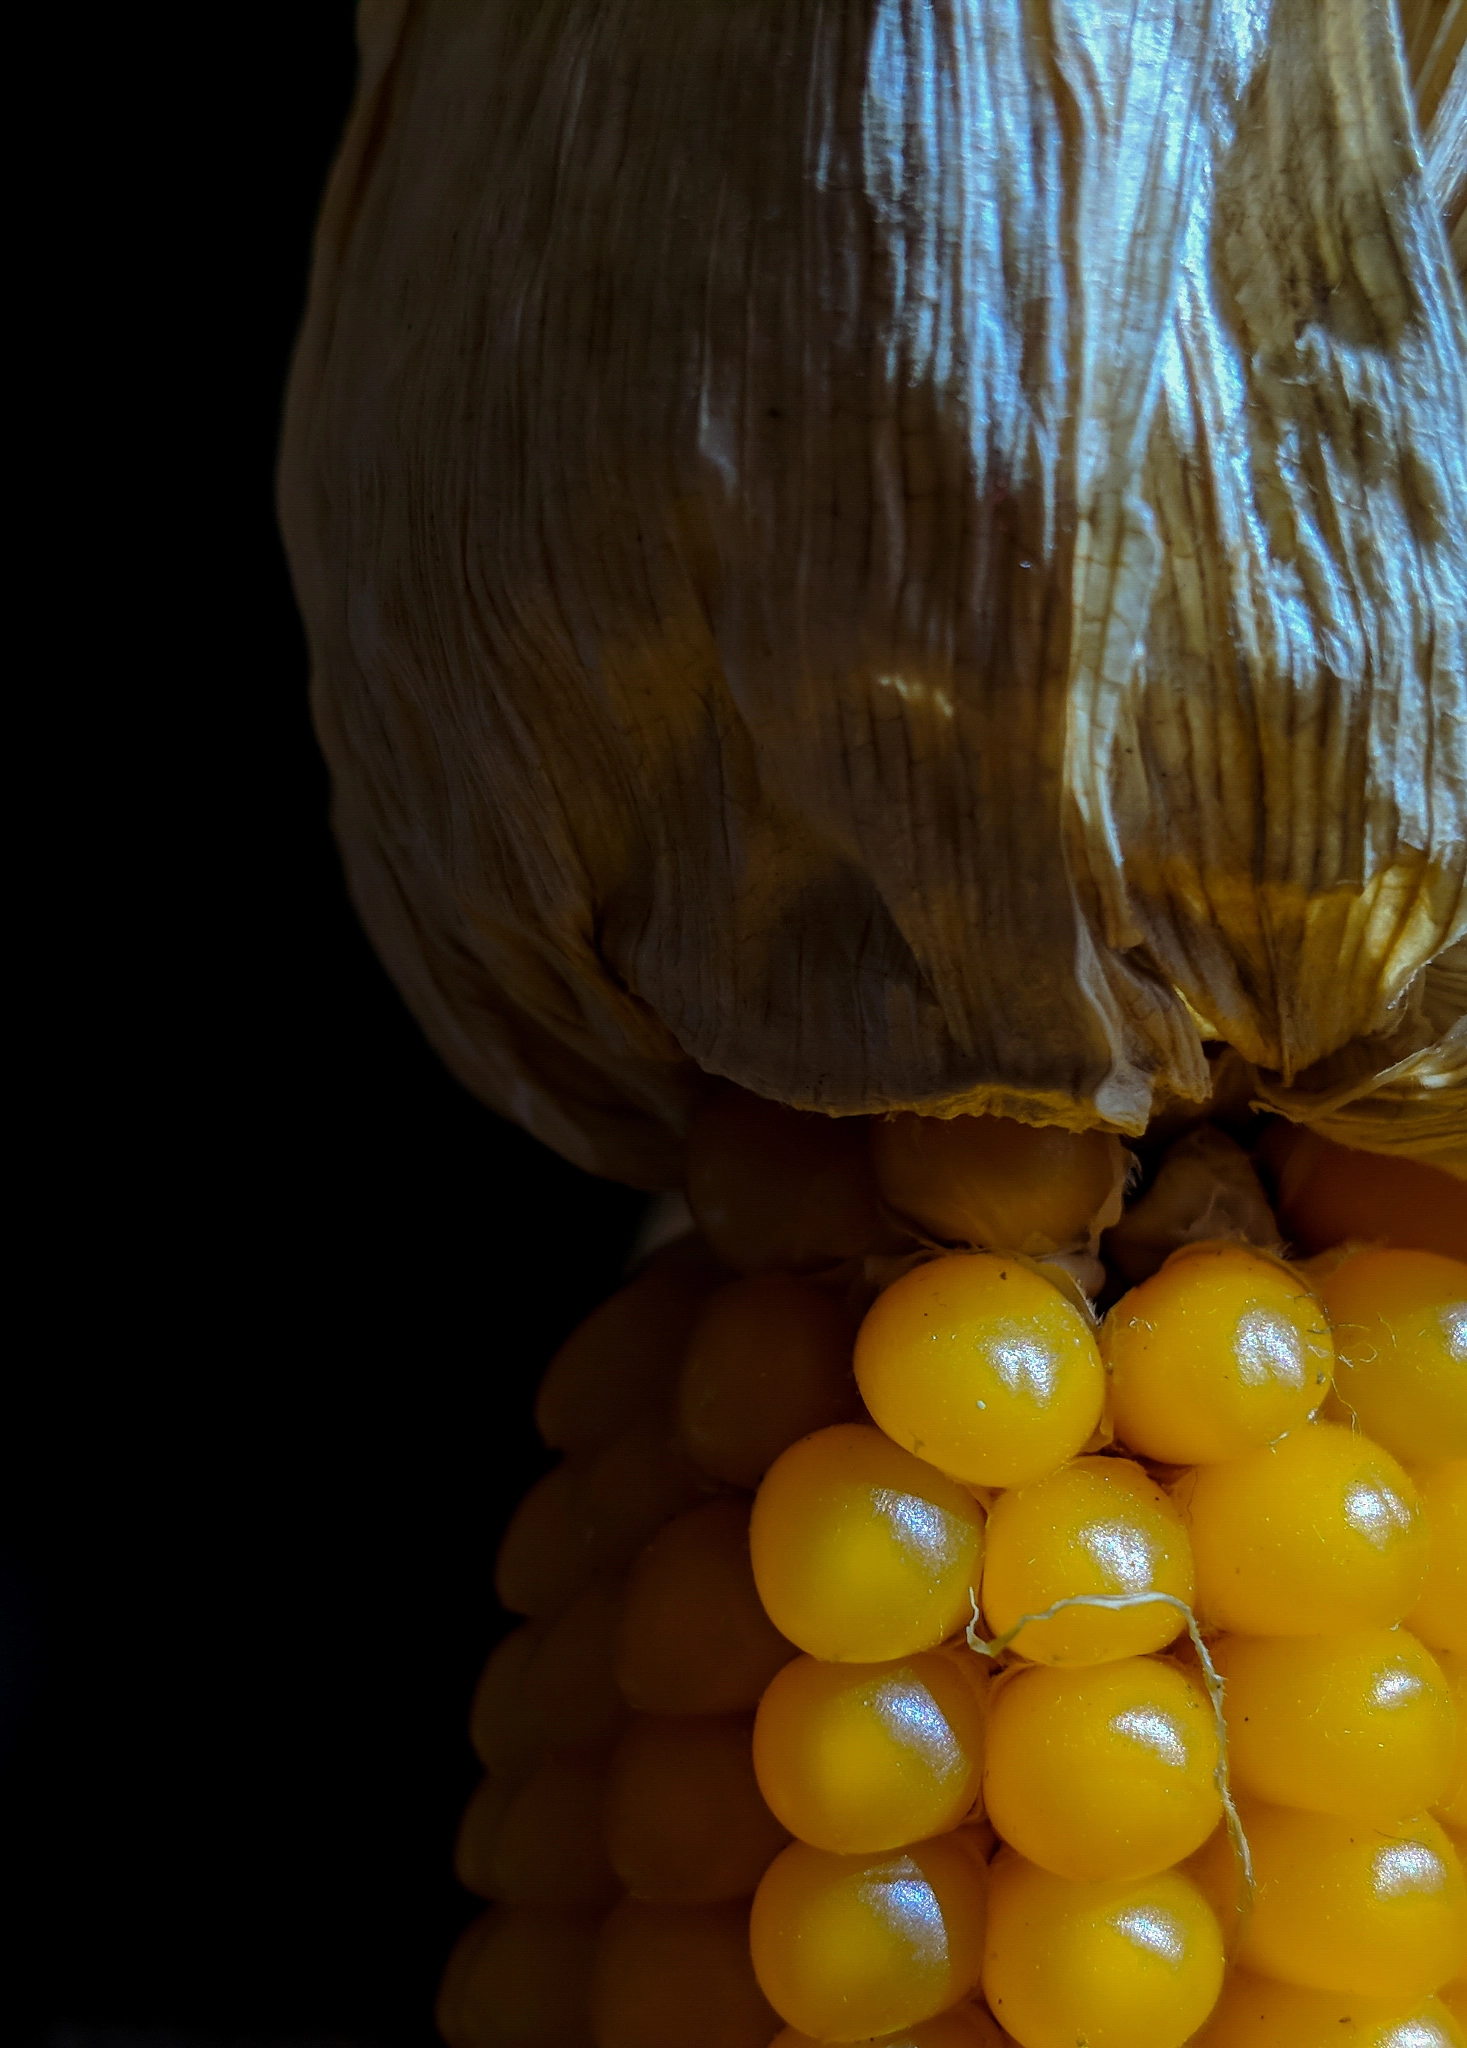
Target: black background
292, 1288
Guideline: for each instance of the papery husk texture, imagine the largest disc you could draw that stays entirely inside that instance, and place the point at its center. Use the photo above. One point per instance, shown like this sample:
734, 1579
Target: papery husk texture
909, 553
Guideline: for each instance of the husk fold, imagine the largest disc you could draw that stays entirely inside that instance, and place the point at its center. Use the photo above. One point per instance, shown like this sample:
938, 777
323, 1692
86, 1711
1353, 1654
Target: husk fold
905, 552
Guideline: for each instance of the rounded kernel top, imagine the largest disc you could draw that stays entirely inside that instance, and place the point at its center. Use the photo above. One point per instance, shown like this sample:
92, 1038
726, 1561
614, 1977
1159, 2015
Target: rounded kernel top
1219, 1352
981, 1366
988, 1180
1400, 1323
861, 1551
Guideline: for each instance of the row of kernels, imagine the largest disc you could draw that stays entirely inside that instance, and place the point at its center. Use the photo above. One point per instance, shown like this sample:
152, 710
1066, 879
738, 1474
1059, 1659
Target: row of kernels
864, 1552
616, 1729
771, 1186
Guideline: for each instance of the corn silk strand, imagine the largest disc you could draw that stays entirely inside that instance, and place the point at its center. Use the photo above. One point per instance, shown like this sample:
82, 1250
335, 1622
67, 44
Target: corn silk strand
994, 1647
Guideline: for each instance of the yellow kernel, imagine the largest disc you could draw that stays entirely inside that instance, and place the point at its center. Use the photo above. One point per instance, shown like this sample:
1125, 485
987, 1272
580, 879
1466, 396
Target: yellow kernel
685, 1824
1219, 1352
1102, 1773
496, 1724
551, 1685
694, 1638
1400, 1323
623, 1359
856, 1758
1119, 1963
1255, 2012
768, 1362
633, 1485
966, 2026
1440, 1616
593, 1514
1361, 1725
1320, 1532
846, 1947
1098, 1527
986, 1180
771, 1186
520, 1976
981, 1366
1454, 1997
666, 1976
863, 1553
1363, 1906
1328, 1193
1452, 1805
1218, 1875
539, 1843
542, 1561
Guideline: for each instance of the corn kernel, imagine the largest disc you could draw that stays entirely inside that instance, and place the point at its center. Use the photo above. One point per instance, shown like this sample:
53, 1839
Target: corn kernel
685, 1823
1440, 1616
768, 1362
1400, 1323
849, 1946
1255, 2012
1117, 1964
1100, 1527
1362, 1725
1216, 1354
673, 1976
986, 1180
1320, 1532
771, 1186
519, 1980
862, 1552
966, 2026
1106, 1772
541, 1842
979, 1365
1343, 1905
856, 1758
694, 1638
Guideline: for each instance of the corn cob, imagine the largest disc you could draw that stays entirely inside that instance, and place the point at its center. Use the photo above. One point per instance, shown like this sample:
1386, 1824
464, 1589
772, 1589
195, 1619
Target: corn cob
909, 556
1066, 1679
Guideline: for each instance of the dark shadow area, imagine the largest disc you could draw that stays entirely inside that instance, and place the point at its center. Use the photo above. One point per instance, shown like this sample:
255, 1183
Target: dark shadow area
295, 1286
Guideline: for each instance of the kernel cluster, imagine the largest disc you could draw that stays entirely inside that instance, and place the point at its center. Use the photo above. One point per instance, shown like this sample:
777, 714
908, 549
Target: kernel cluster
1066, 1678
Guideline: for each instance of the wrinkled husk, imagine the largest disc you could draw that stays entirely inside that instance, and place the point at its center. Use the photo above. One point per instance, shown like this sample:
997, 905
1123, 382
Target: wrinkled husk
906, 552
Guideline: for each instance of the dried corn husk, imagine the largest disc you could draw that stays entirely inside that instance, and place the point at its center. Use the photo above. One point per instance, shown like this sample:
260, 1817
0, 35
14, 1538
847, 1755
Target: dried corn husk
906, 552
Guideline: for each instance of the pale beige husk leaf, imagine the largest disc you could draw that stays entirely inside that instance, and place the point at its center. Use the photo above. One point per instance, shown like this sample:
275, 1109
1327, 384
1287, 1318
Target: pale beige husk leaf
906, 552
